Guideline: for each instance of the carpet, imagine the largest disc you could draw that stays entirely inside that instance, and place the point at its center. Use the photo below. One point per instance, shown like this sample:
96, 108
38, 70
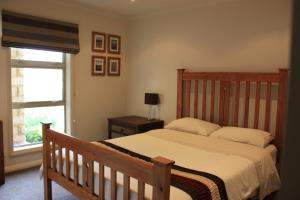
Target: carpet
27, 185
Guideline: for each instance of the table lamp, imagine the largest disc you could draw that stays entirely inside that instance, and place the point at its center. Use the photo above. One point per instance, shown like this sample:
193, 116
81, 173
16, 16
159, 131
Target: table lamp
151, 99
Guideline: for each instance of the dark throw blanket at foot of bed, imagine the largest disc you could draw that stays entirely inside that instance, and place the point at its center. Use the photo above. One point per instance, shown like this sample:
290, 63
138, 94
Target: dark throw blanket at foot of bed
199, 185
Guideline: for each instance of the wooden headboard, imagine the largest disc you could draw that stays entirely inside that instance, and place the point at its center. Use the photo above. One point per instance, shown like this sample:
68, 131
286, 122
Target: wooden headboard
235, 99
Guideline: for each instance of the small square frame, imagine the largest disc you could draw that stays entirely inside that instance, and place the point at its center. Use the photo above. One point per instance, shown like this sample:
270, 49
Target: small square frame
98, 42
114, 44
113, 66
98, 70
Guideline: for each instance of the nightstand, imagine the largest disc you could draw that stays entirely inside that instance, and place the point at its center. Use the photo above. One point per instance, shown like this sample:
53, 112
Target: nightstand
129, 125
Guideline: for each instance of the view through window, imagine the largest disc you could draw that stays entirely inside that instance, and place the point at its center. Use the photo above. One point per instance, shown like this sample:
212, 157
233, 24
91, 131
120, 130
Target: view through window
38, 94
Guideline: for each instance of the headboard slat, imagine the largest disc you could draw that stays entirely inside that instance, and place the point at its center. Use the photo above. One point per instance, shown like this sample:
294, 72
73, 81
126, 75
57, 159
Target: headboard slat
187, 98
257, 104
179, 93
204, 84
196, 91
246, 114
212, 100
221, 103
226, 102
268, 107
237, 103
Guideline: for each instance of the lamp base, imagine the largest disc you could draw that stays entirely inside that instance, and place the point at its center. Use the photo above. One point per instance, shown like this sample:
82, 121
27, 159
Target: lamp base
151, 113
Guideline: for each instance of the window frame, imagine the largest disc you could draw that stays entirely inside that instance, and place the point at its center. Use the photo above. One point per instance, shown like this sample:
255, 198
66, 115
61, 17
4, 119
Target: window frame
22, 64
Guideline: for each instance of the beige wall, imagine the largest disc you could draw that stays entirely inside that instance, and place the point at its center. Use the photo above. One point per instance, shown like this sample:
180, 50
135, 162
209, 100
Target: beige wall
247, 35
95, 98
237, 35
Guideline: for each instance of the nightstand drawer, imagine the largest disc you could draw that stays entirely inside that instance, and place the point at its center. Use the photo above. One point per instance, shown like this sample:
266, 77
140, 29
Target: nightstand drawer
122, 130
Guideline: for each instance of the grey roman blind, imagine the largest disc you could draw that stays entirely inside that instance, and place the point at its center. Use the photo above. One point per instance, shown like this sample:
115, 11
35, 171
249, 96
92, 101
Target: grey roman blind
25, 31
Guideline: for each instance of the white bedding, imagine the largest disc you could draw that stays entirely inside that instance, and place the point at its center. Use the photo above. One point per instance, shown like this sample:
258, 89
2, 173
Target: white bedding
245, 169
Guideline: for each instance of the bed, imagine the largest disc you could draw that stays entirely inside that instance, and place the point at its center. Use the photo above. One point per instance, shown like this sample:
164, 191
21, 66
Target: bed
136, 167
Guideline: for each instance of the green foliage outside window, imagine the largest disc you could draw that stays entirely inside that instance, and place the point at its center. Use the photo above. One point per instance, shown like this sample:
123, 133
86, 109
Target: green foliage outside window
33, 128
33, 136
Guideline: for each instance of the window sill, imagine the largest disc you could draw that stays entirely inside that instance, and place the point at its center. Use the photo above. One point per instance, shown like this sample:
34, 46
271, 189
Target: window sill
27, 149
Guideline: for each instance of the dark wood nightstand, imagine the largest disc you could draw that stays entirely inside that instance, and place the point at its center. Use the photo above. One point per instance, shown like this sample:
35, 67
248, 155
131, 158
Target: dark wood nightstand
129, 125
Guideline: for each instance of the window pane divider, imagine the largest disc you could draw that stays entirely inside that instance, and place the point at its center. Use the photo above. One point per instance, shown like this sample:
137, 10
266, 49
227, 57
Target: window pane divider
36, 64
17, 105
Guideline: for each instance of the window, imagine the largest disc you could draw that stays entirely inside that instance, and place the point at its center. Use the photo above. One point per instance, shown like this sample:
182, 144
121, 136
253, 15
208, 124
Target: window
38, 89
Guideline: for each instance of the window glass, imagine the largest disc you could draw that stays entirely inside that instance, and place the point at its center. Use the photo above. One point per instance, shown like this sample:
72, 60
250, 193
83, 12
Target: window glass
36, 55
36, 84
27, 128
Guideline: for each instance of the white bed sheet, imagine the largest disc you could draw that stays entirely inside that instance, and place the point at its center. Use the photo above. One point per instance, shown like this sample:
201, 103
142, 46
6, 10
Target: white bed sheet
243, 168
271, 148
261, 157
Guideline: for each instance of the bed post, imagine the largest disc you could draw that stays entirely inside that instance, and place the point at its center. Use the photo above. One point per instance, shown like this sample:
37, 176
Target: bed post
180, 93
46, 163
162, 178
281, 107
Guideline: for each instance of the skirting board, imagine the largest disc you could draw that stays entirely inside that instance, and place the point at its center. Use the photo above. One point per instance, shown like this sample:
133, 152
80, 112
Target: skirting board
22, 166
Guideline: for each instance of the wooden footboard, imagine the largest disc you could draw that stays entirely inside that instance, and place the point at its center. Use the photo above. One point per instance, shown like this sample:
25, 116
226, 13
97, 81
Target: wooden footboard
157, 174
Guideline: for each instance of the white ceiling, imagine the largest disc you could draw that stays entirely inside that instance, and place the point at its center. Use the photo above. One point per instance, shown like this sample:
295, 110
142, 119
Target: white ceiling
141, 7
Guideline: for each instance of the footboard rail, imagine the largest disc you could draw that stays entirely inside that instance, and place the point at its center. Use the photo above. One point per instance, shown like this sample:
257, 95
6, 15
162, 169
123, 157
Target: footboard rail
57, 151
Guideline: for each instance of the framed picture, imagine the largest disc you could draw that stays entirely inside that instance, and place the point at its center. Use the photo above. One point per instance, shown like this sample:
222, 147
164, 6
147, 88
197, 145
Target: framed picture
98, 65
113, 66
114, 44
98, 42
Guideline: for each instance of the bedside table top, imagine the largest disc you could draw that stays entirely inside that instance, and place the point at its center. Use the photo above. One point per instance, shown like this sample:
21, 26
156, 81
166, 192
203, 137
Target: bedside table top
134, 120
129, 125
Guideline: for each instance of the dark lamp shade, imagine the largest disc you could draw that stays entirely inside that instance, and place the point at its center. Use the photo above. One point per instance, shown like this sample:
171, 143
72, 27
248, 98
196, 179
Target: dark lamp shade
151, 98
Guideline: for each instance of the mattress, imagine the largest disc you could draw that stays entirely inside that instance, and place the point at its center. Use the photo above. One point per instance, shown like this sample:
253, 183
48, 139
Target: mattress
245, 169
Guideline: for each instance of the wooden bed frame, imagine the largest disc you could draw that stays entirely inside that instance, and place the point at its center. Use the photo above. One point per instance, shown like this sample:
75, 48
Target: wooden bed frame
158, 173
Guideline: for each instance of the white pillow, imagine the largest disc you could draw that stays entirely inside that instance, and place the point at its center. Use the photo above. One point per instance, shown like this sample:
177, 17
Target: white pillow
244, 135
192, 125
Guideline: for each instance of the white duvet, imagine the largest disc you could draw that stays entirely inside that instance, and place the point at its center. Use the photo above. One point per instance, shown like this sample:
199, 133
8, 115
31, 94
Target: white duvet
245, 169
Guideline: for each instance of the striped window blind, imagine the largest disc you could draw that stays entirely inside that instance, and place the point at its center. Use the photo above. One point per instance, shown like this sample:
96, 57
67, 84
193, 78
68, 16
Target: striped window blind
25, 31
